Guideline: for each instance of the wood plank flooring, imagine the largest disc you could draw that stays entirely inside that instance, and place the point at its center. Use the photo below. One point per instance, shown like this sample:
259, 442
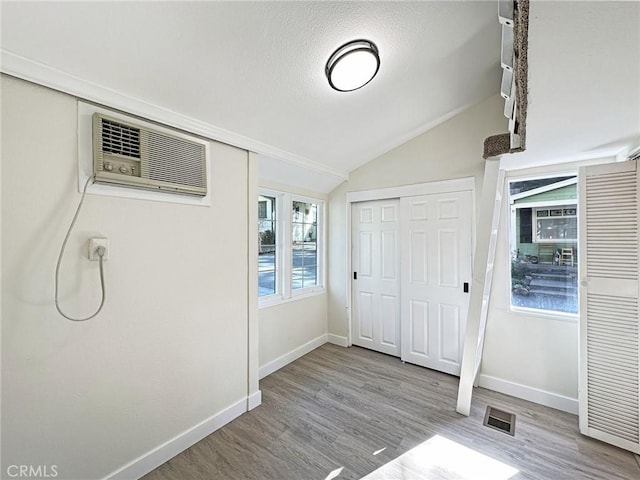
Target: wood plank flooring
347, 413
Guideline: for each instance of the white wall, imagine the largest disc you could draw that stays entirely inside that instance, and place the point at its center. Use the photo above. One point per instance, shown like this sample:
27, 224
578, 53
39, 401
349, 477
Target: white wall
530, 356
451, 150
536, 351
539, 352
584, 72
169, 349
286, 328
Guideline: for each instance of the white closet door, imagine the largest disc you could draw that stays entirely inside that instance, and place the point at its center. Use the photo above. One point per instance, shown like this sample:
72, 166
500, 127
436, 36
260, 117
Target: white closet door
376, 290
436, 272
609, 342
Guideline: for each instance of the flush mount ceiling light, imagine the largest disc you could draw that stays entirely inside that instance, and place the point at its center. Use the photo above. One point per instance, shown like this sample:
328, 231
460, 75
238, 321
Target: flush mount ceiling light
353, 65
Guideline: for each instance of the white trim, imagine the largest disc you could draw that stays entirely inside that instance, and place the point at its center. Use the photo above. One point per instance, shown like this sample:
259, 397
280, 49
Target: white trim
274, 300
306, 291
283, 274
531, 312
286, 247
416, 132
337, 340
253, 330
162, 453
547, 314
515, 164
32, 71
349, 261
544, 171
542, 397
319, 287
282, 360
444, 186
583, 418
536, 218
254, 400
510, 220
548, 203
267, 301
628, 153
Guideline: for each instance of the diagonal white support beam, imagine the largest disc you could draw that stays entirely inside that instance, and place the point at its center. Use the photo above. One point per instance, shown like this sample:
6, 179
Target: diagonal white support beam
487, 234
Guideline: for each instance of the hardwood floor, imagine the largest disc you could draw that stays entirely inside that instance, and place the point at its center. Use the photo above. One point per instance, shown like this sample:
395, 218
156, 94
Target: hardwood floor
348, 413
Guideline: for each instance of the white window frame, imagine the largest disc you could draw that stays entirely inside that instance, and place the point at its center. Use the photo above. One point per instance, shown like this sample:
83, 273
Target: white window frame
279, 244
512, 237
284, 256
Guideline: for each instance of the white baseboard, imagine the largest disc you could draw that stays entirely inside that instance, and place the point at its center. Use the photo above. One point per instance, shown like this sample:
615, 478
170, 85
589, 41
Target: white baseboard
337, 340
549, 399
254, 400
159, 455
289, 357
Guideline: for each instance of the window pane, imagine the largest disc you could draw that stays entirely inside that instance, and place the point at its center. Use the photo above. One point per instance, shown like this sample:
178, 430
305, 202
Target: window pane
563, 227
304, 220
525, 225
266, 246
544, 252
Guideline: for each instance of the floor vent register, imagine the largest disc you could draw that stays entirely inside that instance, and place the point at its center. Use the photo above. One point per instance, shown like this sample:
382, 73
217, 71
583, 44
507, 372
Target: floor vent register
500, 420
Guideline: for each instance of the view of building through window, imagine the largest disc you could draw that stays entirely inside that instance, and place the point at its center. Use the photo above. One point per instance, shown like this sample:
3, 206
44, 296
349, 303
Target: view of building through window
544, 244
266, 245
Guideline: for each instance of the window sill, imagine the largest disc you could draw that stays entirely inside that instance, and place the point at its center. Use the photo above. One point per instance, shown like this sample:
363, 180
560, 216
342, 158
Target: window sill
273, 300
547, 314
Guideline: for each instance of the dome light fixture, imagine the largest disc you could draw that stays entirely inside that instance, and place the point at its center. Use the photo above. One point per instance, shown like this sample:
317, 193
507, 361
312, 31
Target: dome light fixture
353, 65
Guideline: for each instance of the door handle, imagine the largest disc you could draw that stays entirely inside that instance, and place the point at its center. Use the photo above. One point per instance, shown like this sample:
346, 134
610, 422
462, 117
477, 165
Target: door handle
465, 287
355, 275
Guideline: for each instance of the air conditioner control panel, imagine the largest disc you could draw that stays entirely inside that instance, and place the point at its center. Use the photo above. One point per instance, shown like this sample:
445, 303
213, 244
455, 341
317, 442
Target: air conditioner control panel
123, 167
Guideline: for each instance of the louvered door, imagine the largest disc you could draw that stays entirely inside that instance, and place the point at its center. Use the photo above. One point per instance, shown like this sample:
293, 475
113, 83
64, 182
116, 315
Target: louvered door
609, 344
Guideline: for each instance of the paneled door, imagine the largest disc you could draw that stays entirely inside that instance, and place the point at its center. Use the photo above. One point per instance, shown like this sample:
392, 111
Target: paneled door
376, 277
436, 264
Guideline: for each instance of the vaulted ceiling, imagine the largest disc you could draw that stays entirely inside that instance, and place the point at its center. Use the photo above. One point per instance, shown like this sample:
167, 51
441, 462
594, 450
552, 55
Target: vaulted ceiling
253, 72
256, 69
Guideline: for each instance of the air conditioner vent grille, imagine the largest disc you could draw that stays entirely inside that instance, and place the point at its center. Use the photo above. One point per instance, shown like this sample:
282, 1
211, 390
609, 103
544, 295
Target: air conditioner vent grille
120, 139
139, 155
163, 152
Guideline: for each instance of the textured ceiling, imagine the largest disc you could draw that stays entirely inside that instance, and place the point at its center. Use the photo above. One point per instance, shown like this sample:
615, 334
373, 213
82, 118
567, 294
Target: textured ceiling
257, 68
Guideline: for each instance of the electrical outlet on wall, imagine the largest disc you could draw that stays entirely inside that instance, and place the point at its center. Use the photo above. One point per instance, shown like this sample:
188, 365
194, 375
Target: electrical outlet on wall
96, 242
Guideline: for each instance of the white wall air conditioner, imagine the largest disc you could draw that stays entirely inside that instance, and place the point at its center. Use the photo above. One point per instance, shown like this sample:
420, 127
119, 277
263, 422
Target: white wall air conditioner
132, 155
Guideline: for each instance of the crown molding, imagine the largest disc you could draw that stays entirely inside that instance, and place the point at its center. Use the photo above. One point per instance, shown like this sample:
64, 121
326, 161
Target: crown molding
41, 74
